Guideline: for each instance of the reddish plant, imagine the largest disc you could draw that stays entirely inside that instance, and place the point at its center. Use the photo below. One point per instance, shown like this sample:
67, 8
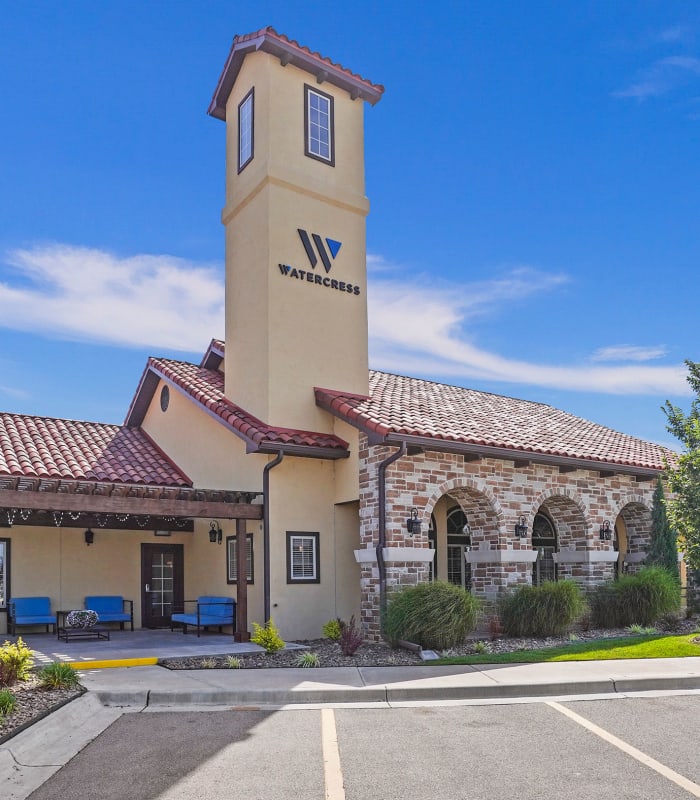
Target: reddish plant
350, 637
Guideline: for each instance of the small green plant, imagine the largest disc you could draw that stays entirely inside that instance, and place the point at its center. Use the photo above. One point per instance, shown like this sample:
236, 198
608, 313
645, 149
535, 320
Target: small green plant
15, 662
436, 615
332, 628
267, 636
350, 637
307, 660
58, 675
233, 662
543, 610
642, 630
574, 637
481, 647
7, 702
208, 663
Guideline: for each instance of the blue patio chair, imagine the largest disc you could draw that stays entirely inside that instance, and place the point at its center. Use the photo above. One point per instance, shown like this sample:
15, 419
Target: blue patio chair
30, 611
112, 608
211, 611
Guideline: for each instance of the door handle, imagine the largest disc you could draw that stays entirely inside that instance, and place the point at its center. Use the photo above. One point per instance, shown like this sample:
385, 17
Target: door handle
148, 587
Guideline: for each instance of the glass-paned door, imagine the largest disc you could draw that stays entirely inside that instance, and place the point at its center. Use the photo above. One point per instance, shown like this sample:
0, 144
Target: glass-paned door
162, 583
544, 540
458, 542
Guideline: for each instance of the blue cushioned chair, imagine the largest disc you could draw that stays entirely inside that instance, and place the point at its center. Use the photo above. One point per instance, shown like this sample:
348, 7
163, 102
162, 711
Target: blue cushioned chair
30, 611
210, 611
112, 608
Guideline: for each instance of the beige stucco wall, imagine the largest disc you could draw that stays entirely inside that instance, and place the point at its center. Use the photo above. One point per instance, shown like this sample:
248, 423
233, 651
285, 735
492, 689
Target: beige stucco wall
285, 334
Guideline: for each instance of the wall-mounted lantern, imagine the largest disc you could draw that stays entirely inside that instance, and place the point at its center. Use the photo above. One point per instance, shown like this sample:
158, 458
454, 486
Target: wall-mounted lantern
413, 523
521, 528
89, 536
605, 531
215, 532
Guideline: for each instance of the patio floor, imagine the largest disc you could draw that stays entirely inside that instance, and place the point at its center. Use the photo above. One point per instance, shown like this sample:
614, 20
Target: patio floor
127, 646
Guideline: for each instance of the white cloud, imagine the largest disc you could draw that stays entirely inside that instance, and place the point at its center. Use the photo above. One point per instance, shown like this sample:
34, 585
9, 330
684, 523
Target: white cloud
663, 76
85, 294
628, 352
418, 328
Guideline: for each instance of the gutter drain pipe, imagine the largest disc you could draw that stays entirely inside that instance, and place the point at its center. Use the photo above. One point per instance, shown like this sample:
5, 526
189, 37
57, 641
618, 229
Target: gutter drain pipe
382, 528
266, 531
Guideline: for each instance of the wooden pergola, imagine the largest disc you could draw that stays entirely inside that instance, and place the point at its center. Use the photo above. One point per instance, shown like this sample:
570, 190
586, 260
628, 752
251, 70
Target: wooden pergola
50, 502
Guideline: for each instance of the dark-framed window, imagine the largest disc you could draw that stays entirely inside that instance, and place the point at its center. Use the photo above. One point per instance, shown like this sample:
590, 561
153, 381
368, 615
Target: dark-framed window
246, 130
4, 573
232, 559
319, 136
303, 564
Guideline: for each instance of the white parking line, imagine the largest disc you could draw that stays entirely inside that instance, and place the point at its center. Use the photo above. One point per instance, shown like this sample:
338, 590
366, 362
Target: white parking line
643, 758
331, 757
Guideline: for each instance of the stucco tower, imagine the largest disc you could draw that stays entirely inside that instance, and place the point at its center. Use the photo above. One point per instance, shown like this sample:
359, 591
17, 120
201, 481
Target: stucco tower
296, 309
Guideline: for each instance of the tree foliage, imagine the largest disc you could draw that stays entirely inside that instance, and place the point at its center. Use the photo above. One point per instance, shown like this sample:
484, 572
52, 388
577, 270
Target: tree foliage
663, 549
684, 472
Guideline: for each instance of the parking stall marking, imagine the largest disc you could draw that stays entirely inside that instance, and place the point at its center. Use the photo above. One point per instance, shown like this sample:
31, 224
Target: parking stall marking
680, 780
332, 772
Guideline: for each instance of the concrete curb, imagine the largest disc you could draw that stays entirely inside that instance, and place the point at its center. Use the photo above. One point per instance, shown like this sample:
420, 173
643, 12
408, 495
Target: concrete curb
388, 694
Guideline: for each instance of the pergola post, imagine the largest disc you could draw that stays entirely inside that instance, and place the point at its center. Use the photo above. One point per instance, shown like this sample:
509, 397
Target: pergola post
241, 634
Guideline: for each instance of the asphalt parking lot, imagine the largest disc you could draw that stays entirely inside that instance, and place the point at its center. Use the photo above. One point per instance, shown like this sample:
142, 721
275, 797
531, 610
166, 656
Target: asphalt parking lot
641, 747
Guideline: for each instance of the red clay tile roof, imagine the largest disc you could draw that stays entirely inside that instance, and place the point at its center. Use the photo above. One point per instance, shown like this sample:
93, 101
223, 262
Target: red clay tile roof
42, 447
291, 52
402, 406
206, 386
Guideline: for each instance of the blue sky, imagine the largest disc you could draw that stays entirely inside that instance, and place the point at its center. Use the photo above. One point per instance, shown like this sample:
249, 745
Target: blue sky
532, 170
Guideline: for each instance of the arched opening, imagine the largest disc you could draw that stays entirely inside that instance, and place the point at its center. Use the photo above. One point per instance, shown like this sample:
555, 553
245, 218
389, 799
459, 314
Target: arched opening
620, 546
544, 540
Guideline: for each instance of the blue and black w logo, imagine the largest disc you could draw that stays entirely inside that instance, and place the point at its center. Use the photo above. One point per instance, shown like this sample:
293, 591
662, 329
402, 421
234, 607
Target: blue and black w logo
332, 244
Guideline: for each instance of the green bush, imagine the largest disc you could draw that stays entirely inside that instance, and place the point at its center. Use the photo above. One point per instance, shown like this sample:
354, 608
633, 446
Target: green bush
435, 615
58, 676
544, 610
635, 599
267, 636
332, 628
7, 702
15, 662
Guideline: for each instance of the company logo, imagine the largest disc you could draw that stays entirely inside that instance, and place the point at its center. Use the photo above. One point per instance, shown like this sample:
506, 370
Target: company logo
332, 245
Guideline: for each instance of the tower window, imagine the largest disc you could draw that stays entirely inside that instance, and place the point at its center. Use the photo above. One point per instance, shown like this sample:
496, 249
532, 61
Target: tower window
318, 135
245, 130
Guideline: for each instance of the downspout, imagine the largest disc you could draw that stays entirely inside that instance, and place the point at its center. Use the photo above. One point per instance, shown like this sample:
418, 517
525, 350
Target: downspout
266, 532
382, 527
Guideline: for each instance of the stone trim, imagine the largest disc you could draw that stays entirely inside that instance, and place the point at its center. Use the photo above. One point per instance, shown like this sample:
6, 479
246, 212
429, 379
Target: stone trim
501, 556
584, 556
416, 555
635, 558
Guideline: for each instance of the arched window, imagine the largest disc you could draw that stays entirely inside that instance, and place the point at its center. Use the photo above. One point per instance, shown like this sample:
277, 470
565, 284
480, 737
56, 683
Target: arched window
458, 540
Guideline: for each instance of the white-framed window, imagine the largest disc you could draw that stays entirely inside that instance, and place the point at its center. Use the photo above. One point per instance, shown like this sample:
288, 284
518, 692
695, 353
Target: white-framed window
4, 573
302, 557
318, 133
246, 130
232, 559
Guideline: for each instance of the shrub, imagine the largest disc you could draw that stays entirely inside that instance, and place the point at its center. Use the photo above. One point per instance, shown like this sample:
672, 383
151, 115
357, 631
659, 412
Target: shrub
435, 615
636, 599
544, 610
331, 630
15, 662
7, 702
350, 637
58, 675
267, 636
233, 662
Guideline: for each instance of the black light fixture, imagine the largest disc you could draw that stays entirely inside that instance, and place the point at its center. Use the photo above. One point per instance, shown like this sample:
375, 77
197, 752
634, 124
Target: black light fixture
215, 532
413, 523
89, 536
521, 527
606, 531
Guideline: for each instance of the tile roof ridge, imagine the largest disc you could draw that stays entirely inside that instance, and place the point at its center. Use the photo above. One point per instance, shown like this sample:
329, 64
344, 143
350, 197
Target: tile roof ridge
342, 393
14, 414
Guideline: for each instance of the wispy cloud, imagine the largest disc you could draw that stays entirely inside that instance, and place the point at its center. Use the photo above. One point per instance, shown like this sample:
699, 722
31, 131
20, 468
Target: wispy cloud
628, 352
662, 77
151, 301
10, 391
85, 294
436, 338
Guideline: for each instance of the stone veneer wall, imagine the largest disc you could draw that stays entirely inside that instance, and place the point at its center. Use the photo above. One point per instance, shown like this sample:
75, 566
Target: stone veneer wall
494, 493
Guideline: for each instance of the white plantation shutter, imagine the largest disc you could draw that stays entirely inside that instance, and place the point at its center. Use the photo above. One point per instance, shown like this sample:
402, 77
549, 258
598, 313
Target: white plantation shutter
233, 559
302, 557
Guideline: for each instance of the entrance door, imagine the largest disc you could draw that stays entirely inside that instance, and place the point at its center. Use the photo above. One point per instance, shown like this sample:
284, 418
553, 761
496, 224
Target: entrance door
162, 583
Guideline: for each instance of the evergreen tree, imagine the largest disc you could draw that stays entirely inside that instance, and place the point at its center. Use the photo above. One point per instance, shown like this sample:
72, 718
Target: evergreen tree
663, 551
684, 473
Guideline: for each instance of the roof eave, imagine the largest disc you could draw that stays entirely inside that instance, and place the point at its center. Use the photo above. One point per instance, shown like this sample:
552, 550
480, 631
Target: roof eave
448, 446
288, 54
298, 450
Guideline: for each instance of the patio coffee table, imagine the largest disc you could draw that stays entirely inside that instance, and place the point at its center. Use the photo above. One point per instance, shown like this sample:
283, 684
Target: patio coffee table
67, 634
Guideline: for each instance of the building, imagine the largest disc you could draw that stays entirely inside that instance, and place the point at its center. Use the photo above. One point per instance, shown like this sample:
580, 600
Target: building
280, 469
